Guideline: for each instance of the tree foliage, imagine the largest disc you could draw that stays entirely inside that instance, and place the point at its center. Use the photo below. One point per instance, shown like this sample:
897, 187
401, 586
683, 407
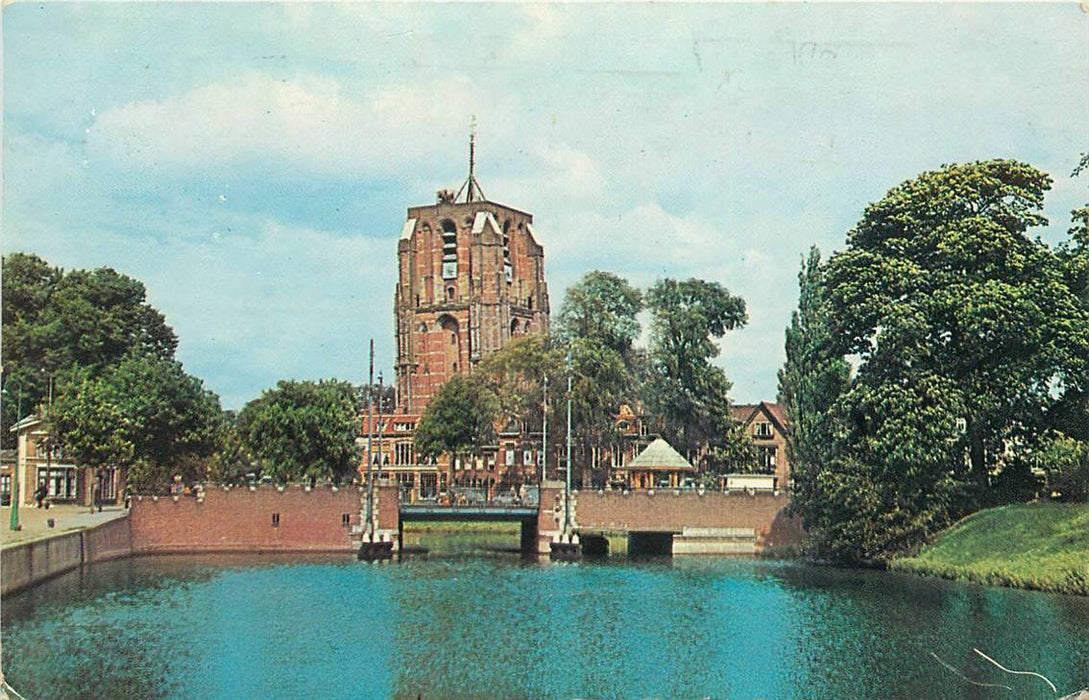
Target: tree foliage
684, 389
145, 413
812, 379
57, 322
940, 279
965, 330
458, 420
603, 306
304, 430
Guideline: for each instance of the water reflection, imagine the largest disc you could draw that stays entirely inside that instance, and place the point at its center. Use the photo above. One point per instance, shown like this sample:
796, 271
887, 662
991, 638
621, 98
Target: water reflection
457, 625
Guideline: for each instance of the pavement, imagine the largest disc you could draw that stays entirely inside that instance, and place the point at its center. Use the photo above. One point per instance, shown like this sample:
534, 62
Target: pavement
65, 518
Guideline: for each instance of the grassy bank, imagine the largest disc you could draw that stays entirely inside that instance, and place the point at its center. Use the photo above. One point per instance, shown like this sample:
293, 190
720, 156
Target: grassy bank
1043, 546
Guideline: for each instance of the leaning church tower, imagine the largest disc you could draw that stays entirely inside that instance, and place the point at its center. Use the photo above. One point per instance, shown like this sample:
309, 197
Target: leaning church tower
470, 278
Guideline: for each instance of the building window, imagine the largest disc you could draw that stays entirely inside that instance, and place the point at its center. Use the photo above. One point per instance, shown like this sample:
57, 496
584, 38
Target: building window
449, 250
345, 519
766, 458
403, 452
508, 269
60, 482
5, 489
276, 520
763, 430
527, 458
109, 484
450, 293
509, 454
453, 338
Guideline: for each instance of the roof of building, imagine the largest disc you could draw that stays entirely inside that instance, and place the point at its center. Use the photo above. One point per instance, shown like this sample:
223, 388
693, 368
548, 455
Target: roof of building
660, 455
390, 423
26, 422
744, 413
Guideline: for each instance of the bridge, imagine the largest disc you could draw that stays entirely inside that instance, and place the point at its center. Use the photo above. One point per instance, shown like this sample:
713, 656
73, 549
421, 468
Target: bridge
667, 521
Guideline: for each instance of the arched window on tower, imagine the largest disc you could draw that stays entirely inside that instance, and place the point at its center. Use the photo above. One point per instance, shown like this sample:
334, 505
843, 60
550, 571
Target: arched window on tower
508, 269
514, 328
449, 250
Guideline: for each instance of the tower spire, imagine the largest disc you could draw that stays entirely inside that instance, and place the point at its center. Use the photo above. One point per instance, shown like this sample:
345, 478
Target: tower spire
471, 187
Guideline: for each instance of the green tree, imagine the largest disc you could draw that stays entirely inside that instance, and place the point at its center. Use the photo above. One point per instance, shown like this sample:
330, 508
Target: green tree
145, 413
458, 421
597, 326
965, 330
734, 454
56, 322
940, 280
516, 373
811, 380
687, 392
603, 306
304, 430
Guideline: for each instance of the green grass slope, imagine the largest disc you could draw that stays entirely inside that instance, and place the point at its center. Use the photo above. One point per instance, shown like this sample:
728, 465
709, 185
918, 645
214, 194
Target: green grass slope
1043, 546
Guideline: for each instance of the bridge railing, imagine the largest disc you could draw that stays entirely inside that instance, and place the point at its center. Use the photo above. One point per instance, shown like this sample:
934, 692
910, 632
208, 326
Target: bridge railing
466, 496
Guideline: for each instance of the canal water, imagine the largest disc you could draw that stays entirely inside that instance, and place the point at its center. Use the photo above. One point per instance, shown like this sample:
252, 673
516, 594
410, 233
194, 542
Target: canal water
485, 624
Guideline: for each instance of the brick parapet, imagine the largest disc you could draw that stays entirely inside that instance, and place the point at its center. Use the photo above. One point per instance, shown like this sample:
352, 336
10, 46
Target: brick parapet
672, 511
241, 519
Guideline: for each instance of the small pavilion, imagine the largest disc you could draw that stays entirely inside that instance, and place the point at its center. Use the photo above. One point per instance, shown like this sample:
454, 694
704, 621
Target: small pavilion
658, 466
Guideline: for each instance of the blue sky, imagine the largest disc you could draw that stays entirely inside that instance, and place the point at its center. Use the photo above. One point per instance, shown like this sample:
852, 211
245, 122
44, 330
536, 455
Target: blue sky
251, 163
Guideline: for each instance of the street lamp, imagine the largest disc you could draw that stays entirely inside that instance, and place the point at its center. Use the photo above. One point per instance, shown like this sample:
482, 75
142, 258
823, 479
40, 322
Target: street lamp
567, 492
15, 469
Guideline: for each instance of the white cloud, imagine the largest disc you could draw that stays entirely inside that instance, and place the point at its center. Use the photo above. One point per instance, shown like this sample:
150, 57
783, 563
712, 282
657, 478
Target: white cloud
310, 123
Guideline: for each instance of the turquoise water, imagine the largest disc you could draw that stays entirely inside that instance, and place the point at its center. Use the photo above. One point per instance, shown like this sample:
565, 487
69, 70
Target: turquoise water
489, 625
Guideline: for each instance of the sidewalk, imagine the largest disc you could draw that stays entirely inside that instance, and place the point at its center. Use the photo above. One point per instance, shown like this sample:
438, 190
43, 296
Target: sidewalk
66, 518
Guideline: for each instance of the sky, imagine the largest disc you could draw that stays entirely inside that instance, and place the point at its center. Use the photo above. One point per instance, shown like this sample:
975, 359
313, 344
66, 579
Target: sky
252, 163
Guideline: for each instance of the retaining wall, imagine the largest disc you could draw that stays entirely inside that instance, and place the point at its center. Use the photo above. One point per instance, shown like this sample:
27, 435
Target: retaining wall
243, 519
27, 563
674, 511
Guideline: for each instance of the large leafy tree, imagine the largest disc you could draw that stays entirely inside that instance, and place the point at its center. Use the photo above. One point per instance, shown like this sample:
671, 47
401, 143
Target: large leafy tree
458, 421
940, 280
304, 430
1070, 415
965, 330
688, 393
813, 377
145, 413
55, 323
603, 306
597, 328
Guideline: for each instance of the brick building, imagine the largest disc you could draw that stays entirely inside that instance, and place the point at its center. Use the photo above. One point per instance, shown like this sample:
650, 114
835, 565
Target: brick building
38, 462
766, 424
470, 278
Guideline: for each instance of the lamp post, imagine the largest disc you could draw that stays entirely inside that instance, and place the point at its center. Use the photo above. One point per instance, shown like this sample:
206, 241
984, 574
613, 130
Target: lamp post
544, 438
15, 470
567, 489
370, 438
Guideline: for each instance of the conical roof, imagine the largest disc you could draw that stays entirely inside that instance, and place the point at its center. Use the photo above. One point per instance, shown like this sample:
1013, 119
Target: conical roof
660, 455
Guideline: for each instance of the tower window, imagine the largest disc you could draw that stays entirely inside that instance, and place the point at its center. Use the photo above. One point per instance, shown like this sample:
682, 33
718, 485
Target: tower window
508, 269
449, 250
450, 293
453, 338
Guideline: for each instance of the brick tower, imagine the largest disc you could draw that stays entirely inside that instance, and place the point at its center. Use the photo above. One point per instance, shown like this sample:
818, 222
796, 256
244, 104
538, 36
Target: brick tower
470, 278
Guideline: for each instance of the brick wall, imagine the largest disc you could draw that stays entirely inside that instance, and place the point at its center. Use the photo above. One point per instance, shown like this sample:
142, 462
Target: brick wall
241, 519
668, 511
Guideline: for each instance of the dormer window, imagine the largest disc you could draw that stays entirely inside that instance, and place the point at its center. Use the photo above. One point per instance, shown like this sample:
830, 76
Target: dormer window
763, 430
